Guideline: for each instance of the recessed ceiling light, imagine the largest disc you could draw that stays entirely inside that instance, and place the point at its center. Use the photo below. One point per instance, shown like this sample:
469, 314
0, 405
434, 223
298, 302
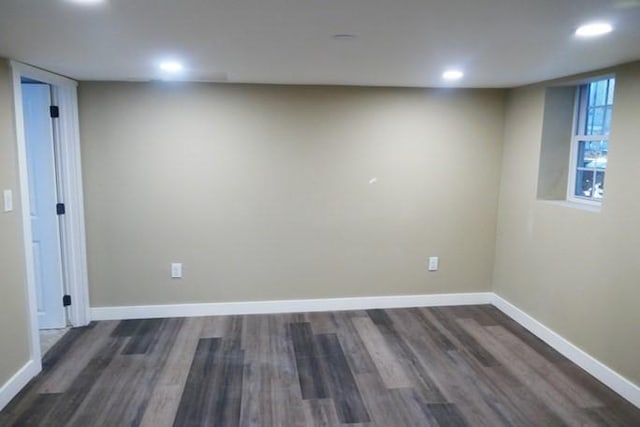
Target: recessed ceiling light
344, 36
88, 2
452, 75
171, 66
594, 29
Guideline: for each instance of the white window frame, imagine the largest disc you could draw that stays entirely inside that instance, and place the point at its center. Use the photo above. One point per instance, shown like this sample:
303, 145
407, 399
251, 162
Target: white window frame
579, 118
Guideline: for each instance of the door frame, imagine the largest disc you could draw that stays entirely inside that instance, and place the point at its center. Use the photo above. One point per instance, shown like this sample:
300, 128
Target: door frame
72, 228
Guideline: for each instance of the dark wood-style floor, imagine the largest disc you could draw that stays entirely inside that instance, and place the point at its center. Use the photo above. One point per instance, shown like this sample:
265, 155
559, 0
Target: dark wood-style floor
450, 366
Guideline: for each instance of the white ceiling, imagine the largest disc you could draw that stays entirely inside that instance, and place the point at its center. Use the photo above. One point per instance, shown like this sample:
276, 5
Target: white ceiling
498, 43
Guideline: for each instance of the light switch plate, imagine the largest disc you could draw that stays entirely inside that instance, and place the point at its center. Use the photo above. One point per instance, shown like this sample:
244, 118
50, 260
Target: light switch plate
7, 196
433, 263
176, 270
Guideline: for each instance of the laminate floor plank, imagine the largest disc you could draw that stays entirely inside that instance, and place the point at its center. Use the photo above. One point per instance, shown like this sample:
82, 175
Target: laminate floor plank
163, 403
286, 398
126, 328
59, 353
611, 401
573, 391
321, 413
91, 377
181, 352
213, 391
215, 326
144, 337
521, 332
357, 354
153, 365
257, 396
451, 371
42, 405
446, 317
341, 383
385, 359
442, 366
421, 376
609, 417
378, 401
163, 406
488, 397
447, 415
561, 404
311, 371
130, 380
525, 405
411, 408
430, 328
77, 356
259, 374
255, 339
64, 344
322, 322
106, 402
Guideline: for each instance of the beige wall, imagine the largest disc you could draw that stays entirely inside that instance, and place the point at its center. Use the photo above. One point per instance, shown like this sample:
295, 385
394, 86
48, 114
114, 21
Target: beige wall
14, 315
263, 191
575, 271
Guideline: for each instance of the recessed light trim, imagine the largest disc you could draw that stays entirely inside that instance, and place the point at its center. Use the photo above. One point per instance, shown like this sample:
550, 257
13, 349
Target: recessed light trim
452, 75
171, 66
344, 36
594, 29
86, 2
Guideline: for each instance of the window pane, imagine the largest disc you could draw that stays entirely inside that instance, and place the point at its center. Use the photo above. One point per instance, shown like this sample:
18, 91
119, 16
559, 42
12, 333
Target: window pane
584, 183
596, 114
600, 92
595, 121
601, 163
589, 122
612, 86
593, 154
598, 191
591, 98
607, 121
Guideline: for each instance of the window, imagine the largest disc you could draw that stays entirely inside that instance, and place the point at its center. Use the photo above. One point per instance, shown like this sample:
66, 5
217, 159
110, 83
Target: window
590, 145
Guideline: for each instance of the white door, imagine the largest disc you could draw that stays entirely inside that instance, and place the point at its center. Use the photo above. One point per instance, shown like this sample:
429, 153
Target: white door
36, 99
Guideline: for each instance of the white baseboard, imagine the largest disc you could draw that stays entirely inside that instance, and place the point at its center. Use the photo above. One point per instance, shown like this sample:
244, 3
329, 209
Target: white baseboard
287, 306
606, 375
20, 379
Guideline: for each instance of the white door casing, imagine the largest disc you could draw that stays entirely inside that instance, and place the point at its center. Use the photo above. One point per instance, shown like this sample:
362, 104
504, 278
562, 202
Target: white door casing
73, 245
45, 231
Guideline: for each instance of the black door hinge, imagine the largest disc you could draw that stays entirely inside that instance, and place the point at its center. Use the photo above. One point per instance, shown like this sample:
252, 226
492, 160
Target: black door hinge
60, 209
54, 111
66, 300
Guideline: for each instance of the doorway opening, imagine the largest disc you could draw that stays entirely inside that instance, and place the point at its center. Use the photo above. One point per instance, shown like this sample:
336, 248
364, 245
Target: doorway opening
43, 167
52, 210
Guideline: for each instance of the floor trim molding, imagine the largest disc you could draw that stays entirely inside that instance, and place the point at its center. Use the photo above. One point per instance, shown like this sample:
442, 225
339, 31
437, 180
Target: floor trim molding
599, 370
17, 382
287, 306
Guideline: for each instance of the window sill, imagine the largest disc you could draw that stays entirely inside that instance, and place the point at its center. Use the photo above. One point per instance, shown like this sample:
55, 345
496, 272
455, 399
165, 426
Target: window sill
589, 207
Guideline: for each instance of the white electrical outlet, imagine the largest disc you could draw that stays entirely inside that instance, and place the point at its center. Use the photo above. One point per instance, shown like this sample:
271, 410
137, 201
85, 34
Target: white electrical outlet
433, 263
176, 270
